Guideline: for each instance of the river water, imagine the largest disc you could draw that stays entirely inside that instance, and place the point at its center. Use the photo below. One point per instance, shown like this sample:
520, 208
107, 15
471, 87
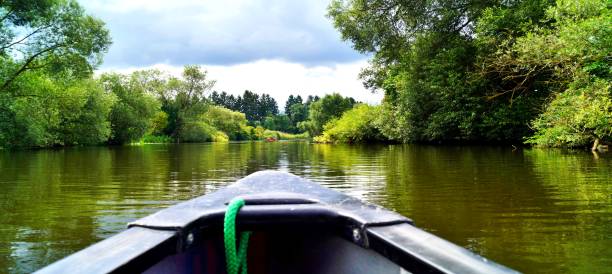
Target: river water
538, 211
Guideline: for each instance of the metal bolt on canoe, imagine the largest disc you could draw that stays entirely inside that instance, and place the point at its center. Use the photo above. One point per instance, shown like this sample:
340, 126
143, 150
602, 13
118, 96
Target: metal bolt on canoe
298, 227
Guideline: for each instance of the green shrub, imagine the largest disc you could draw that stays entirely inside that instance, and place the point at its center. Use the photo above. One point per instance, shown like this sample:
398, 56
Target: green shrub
289, 136
355, 126
156, 139
196, 132
278, 122
220, 136
232, 123
158, 123
132, 114
576, 117
87, 121
322, 111
257, 133
42, 112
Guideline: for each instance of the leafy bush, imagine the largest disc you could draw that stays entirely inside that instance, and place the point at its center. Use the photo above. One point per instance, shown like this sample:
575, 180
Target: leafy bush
158, 123
196, 132
355, 126
289, 136
91, 125
576, 117
257, 133
156, 139
232, 123
278, 122
267, 134
43, 112
133, 113
220, 136
322, 111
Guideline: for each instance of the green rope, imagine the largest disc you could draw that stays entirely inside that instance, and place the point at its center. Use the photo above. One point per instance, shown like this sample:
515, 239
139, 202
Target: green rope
235, 261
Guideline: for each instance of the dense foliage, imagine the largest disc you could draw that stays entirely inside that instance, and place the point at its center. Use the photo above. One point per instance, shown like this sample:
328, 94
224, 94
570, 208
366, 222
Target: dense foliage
184, 100
145, 106
535, 71
262, 110
190, 114
255, 107
51, 35
486, 71
321, 111
354, 126
297, 112
45, 112
573, 57
231, 123
48, 51
134, 110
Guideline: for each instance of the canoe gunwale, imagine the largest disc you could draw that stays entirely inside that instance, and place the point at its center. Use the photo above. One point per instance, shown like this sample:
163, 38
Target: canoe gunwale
277, 200
273, 197
130, 251
252, 217
421, 252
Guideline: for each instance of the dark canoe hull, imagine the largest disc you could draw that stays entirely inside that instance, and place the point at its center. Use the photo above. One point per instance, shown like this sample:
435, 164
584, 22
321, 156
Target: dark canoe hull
298, 227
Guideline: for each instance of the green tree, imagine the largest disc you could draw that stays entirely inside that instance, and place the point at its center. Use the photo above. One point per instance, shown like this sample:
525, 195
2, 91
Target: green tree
256, 107
232, 123
54, 35
159, 122
297, 113
249, 104
267, 106
278, 122
311, 99
322, 111
87, 121
428, 59
184, 101
292, 101
44, 112
576, 117
574, 55
27, 120
551, 56
132, 115
390, 28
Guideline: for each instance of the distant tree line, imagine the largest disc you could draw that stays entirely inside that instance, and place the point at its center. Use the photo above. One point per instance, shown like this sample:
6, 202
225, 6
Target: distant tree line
256, 107
262, 110
165, 108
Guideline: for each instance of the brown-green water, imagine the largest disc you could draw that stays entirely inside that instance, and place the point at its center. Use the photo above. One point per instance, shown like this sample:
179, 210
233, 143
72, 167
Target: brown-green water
538, 211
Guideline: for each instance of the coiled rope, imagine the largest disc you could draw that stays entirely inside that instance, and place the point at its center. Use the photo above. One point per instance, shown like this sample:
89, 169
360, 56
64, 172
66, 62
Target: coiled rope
236, 261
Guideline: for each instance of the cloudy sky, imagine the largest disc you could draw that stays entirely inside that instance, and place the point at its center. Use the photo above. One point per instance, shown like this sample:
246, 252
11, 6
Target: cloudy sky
279, 47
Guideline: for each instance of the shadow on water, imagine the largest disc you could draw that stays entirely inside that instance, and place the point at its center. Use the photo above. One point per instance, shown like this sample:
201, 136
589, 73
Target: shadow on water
544, 211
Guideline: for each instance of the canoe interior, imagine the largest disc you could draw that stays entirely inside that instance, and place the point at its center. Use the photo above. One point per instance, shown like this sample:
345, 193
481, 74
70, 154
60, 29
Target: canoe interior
298, 227
290, 250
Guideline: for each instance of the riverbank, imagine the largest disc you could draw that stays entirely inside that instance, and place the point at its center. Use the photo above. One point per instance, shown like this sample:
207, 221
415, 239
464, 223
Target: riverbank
267, 135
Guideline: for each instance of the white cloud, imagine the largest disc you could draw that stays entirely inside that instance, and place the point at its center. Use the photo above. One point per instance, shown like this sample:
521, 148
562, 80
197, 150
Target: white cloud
278, 47
178, 32
281, 78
